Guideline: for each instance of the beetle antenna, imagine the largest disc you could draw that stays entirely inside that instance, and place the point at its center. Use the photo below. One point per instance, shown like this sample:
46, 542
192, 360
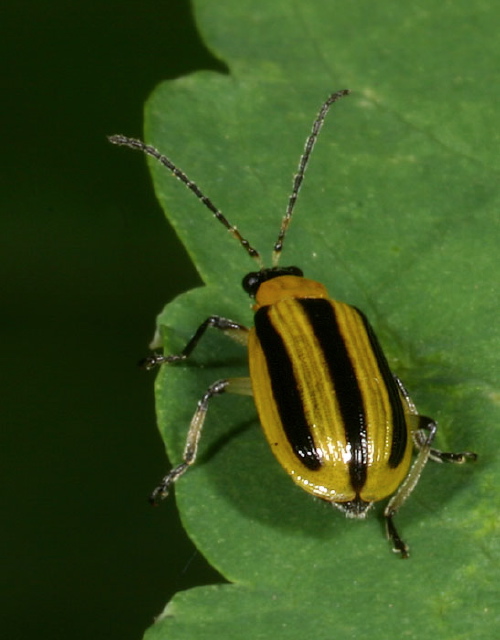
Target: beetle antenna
133, 143
299, 176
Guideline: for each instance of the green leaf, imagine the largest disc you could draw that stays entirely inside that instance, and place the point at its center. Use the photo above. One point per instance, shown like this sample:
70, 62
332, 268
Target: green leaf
399, 216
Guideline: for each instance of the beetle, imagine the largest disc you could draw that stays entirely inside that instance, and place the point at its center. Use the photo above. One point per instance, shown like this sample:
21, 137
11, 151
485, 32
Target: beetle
339, 422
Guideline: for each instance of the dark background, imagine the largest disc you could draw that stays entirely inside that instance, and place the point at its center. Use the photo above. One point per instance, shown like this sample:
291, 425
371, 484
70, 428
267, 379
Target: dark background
86, 265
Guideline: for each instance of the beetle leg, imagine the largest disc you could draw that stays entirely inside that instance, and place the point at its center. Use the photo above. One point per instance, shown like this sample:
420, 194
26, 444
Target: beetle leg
398, 545
233, 329
450, 456
240, 386
427, 424
412, 409
436, 454
423, 438
399, 498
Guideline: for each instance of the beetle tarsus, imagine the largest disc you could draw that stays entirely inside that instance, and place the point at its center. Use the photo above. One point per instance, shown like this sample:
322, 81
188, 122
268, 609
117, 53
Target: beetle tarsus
398, 545
163, 489
155, 360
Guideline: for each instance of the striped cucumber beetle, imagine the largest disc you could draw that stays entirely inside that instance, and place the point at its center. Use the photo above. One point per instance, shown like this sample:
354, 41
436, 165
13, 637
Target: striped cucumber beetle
339, 422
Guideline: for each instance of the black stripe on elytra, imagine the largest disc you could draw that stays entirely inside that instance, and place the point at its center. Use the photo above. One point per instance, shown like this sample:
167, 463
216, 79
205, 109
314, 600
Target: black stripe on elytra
321, 316
399, 429
285, 391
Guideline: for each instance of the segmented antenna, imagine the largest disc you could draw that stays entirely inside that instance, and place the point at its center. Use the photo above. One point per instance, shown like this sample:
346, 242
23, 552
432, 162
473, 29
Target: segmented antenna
133, 143
299, 176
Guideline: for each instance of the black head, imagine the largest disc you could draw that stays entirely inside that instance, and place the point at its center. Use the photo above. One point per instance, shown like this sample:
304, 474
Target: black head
252, 281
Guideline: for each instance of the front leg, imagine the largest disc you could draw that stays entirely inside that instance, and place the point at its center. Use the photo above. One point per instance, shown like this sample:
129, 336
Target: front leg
233, 329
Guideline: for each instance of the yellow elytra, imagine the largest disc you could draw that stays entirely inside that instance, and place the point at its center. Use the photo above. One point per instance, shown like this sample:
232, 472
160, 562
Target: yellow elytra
321, 348
339, 422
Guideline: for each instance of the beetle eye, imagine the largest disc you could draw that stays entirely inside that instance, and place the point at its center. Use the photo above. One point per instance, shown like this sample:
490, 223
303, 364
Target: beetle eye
251, 282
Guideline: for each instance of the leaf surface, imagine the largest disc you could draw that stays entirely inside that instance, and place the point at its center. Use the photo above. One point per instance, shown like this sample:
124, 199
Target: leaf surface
398, 216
